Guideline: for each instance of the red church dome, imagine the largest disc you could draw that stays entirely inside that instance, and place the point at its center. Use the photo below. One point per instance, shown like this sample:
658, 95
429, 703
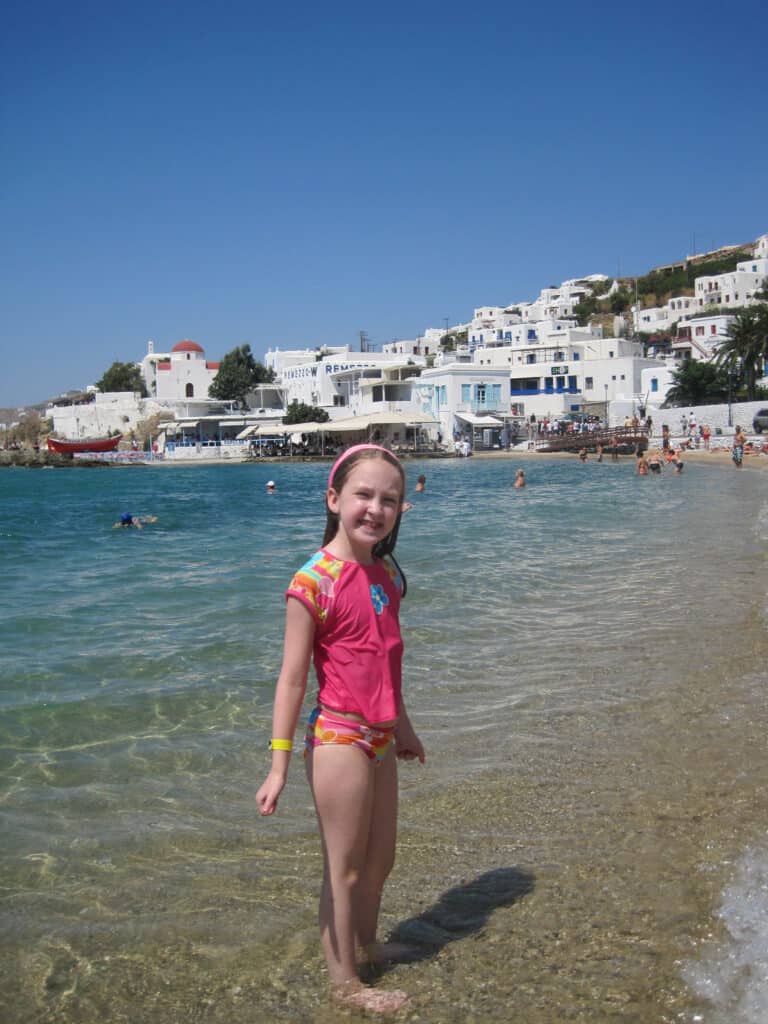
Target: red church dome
188, 346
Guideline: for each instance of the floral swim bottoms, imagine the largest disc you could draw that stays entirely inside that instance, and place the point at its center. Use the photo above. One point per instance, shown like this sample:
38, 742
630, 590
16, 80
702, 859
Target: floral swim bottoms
324, 729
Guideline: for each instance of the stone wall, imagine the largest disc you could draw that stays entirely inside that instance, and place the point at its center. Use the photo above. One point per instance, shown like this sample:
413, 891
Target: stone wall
717, 416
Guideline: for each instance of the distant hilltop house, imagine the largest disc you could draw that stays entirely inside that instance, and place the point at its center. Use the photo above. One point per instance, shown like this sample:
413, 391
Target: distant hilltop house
700, 321
733, 289
713, 293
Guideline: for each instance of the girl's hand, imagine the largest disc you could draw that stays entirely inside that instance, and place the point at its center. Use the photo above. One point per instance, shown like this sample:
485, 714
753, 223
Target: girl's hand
269, 794
408, 746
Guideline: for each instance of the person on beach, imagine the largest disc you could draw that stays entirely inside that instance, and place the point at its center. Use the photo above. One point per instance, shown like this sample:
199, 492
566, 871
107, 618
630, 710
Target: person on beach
582, 454
737, 451
271, 487
642, 465
654, 462
421, 482
519, 478
706, 434
342, 611
599, 452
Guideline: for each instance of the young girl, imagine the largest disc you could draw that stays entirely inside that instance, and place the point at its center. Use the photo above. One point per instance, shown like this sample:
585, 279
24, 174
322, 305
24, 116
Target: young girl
519, 478
342, 611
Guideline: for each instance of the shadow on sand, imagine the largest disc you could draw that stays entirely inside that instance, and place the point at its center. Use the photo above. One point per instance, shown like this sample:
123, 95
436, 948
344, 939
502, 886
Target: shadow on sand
460, 912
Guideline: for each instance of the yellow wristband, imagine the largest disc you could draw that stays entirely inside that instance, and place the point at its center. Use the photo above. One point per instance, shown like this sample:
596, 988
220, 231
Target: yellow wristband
281, 744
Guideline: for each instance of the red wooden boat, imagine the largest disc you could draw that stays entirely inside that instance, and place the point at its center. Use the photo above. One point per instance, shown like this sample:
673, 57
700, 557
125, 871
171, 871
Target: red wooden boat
85, 444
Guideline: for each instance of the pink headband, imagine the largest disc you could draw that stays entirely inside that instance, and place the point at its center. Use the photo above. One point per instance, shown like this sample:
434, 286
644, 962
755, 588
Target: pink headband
351, 451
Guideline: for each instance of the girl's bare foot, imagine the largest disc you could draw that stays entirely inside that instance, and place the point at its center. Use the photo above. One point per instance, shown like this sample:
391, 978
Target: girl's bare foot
375, 1000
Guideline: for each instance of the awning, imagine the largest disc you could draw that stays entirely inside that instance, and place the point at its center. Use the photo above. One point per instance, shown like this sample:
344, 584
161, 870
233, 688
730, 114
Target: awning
185, 424
247, 432
346, 425
308, 428
479, 421
380, 419
272, 430
261, 430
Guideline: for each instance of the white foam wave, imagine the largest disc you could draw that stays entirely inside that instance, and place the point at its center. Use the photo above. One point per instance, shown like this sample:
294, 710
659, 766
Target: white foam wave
732, 973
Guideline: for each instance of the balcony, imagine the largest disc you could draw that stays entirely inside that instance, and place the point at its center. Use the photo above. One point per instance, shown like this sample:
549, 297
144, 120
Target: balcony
480, 407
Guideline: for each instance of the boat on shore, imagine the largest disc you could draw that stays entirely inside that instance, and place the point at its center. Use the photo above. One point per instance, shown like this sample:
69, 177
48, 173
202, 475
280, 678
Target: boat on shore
83, 444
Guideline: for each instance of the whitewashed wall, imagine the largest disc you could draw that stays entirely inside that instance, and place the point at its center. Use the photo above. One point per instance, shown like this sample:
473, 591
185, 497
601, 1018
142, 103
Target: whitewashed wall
715, 415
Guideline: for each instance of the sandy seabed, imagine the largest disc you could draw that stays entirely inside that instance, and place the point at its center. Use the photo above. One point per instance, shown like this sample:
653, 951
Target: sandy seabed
570, 888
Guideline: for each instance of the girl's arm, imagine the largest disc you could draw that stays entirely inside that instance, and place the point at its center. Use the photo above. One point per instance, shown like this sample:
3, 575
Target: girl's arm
289, 695
408, 746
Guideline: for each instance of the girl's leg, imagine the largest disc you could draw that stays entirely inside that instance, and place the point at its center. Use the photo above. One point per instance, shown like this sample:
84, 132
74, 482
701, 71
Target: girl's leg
380, 849
342, 784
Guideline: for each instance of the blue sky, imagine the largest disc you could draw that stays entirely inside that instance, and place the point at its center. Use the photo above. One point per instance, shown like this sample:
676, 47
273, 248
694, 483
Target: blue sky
289, 175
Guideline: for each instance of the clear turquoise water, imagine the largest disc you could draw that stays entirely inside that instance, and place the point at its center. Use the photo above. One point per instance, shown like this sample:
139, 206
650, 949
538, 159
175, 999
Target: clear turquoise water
138, 666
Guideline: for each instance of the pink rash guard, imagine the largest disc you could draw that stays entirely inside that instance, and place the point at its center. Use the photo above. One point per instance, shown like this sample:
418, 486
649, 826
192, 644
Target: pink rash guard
358, 649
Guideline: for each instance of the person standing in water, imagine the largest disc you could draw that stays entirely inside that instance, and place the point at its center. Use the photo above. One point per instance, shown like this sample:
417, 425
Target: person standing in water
737, 452
343, 612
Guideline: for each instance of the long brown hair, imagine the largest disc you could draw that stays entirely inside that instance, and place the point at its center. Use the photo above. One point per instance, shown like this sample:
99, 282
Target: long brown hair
338, 478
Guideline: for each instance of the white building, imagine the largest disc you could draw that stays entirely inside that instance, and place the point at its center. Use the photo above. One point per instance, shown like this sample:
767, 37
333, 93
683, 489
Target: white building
347, 383
736, 287
567, 372
660, 319
492, 325
427, 344
655, 382
558, 303
184, 372
528, 333
699, 337
105, 413
467, 401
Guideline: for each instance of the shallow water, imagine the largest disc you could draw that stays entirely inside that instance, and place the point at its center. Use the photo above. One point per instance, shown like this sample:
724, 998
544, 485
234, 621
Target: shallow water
584, 660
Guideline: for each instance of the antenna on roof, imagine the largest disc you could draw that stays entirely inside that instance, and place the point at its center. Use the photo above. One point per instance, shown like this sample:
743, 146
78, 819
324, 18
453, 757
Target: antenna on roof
364, 342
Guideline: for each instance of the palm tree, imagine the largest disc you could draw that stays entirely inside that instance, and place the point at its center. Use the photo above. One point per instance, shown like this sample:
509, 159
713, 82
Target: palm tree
697, 383
746, 346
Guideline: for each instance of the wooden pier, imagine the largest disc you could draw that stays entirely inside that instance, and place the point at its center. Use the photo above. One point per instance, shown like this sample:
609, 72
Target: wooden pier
626, 441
